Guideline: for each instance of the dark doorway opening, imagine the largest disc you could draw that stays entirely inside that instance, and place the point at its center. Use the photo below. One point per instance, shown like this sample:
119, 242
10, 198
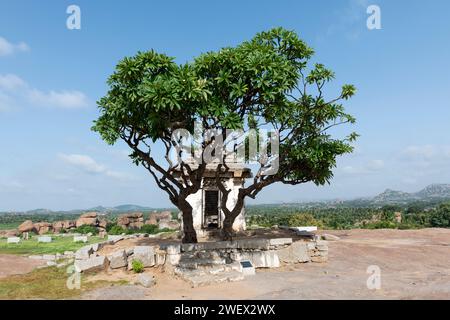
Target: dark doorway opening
211, 209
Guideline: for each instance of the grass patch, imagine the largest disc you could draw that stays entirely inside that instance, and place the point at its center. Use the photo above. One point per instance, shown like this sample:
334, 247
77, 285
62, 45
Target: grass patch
46, 283
32, 246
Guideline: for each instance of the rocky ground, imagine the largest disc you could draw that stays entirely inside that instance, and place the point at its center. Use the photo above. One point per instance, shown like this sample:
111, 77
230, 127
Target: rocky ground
414, 264
12, 265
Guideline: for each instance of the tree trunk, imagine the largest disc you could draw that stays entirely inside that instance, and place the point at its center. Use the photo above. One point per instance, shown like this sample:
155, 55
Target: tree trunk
227, 226
189, 234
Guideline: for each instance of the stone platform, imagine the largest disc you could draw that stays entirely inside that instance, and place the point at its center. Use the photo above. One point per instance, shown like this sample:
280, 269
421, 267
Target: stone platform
206, 262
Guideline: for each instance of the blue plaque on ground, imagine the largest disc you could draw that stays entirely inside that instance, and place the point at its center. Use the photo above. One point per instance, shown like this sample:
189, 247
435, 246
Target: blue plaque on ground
246, 264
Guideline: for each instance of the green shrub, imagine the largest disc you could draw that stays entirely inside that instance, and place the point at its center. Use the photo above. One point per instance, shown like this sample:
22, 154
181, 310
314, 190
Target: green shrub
441, 217
303, 219
149, 228
109, 226
85, 229
116, 230
137, 266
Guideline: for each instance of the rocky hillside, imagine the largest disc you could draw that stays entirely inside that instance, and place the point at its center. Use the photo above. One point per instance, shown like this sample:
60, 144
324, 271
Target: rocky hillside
431, 192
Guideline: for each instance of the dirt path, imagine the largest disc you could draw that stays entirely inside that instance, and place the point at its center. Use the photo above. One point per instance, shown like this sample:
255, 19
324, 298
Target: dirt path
12, 264
414, 264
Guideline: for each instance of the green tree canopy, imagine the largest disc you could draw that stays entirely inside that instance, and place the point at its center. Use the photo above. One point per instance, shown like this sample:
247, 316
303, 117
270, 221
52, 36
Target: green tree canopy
266, 82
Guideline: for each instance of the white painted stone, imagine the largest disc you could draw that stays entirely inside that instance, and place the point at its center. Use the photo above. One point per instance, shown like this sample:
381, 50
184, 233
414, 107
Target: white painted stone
80, 239
45, 239
115, 238
13, 240
307, 228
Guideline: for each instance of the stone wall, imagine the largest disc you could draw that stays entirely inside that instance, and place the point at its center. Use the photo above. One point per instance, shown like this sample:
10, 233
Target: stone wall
263, 253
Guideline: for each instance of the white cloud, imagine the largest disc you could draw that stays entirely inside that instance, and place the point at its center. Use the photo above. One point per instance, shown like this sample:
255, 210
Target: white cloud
7, 48
350, 20
424, 152
83, 162
375, 165
369, 167
90, 166
426, 156
11, 82
15, 91
61, 99
12, 185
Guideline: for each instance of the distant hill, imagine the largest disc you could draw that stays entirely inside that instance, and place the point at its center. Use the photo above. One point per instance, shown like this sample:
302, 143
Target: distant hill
430, 195
101, 209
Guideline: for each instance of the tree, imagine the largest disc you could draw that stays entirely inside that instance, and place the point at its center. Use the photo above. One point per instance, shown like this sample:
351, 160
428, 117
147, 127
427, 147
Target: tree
265, 82
440, 218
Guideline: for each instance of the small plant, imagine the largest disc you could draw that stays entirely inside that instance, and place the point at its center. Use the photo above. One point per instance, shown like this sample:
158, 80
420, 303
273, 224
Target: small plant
137, 266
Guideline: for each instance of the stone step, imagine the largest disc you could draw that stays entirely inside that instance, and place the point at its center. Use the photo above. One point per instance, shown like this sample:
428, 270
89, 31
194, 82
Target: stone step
199, 278
195, 263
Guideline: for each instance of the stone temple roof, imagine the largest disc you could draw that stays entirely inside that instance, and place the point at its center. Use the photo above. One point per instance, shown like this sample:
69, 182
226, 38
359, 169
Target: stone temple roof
236, 170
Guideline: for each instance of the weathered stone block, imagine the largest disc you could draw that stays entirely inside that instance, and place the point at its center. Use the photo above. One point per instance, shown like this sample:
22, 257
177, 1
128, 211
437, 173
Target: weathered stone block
173, 259
118, 259
115, 238
160, 258
261, 244
296, 252
171, 248
145, 254
92, 264
280, 241
146, 280
220, 245
84, 252
259, 259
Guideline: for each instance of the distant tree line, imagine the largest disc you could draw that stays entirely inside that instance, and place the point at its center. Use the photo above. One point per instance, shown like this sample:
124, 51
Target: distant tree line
412, 217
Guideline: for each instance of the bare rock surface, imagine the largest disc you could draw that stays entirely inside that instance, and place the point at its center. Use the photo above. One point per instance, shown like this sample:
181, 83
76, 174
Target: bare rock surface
414, 265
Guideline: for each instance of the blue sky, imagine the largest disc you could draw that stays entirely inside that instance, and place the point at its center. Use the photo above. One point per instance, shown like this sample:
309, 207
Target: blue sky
51, 77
